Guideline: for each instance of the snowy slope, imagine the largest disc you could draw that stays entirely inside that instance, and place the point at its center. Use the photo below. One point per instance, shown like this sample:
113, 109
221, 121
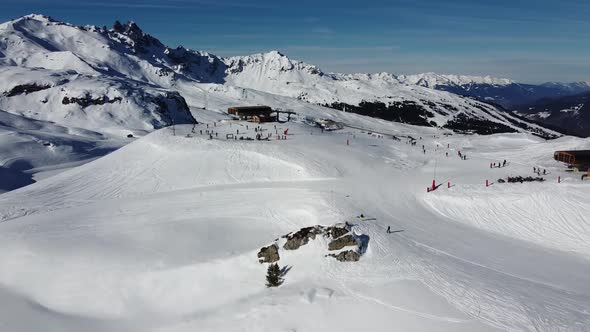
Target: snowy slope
31, 149
162, 235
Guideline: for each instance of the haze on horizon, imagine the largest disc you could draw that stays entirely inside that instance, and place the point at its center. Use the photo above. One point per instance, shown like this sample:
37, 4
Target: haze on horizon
526, 41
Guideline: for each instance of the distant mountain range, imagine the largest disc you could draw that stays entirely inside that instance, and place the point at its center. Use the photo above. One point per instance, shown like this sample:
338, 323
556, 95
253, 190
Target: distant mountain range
504, 92
570, 114
122, 79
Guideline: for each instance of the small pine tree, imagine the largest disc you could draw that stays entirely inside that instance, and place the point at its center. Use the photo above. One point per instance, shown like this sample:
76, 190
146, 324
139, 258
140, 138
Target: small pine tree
273, 276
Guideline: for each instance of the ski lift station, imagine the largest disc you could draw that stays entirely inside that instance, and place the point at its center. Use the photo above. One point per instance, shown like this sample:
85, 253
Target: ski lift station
257, 114
574, 158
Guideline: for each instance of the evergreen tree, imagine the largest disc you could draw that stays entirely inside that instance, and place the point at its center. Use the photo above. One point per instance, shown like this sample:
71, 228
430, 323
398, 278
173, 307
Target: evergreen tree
273, 276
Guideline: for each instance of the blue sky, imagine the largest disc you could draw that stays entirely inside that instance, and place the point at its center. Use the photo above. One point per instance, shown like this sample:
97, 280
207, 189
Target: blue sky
526, 40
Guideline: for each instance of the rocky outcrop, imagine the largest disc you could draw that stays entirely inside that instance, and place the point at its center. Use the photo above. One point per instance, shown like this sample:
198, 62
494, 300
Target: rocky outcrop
269, 254
336, 232
347, 256
301, 237
338, 237
88, 100
26, 89
141, 42
341, 242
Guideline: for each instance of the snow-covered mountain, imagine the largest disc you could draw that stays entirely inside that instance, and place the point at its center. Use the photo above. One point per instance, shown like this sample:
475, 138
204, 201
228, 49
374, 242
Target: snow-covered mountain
80, 77
132, 81
501, 91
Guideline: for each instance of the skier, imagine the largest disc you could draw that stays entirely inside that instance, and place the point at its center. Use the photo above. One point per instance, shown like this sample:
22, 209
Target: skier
544, 172
388, 229
504, 164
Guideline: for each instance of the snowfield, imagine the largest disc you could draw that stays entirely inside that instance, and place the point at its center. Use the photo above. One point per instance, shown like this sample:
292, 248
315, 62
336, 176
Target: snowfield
160, 230
162, 235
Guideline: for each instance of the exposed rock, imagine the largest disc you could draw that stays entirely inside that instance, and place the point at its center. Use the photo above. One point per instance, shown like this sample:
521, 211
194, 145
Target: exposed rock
301, 237
26, 89
341, 242
87, 100
336, 232
269, 254
340, 237
347, 256
141, 41
174, 108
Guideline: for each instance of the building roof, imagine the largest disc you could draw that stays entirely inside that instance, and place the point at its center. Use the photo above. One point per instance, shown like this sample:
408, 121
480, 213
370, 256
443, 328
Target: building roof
251, 108
577, 153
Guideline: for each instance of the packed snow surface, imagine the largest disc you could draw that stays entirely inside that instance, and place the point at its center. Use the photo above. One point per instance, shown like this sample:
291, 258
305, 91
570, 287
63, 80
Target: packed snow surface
162, 234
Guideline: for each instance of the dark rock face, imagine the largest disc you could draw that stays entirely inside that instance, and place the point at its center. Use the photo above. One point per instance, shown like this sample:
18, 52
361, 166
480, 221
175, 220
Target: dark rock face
340, 236
269, 254
26, 89
347, 256
336, 232
200, 66
87, 100
174, 108
301, 237
141, 40
341, 242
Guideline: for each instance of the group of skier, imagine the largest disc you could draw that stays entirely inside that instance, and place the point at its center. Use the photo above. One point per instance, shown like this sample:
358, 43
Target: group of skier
499, 164
538, 171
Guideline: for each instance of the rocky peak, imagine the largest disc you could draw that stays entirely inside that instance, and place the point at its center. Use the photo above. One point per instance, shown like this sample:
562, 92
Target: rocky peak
141, 40
273, 61
39, 17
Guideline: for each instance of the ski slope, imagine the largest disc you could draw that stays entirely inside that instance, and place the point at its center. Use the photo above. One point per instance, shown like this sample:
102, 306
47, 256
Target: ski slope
162, 234
33, 149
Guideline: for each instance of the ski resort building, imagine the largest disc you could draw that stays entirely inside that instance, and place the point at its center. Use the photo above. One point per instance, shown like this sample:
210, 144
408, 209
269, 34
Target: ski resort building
574, 158
256, 114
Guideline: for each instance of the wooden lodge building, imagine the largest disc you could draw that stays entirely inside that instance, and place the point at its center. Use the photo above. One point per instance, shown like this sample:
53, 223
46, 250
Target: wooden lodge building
574, 158
256, 114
